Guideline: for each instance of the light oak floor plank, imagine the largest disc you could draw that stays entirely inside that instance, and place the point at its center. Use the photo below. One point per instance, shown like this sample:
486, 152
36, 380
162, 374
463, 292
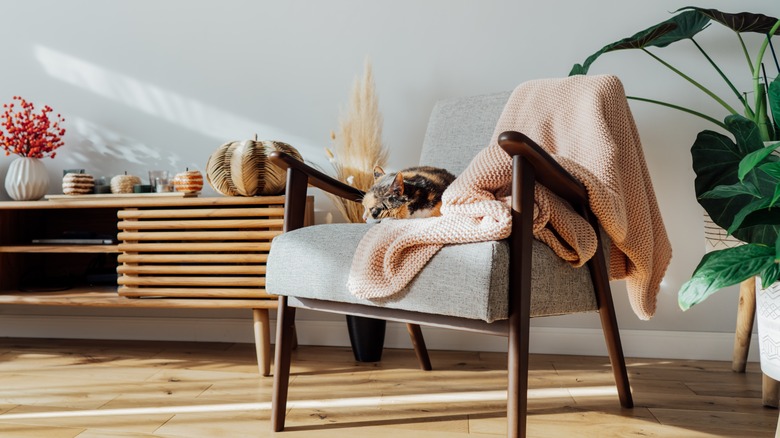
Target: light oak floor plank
121, 389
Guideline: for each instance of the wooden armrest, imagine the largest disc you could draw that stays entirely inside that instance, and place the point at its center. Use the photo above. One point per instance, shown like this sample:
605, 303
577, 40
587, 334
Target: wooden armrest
317, 178
548, 171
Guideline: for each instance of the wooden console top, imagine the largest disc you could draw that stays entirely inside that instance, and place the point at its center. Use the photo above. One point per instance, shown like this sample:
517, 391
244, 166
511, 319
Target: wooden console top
88, 201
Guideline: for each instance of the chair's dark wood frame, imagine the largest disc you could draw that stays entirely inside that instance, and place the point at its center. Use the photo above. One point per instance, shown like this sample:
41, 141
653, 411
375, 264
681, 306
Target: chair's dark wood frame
531, 165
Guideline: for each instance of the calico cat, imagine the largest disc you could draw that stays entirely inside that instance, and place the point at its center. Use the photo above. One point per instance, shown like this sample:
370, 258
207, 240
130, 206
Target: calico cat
409, 193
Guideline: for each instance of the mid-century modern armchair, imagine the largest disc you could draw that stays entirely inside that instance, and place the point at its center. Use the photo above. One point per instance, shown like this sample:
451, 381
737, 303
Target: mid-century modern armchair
503, 284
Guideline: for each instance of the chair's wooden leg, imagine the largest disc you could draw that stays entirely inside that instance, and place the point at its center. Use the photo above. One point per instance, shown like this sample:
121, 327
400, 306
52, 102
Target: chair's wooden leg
520, 244
615, 351
284, 336
517, 388
770, 389
609, 325
746, 312
418, 342
262, 331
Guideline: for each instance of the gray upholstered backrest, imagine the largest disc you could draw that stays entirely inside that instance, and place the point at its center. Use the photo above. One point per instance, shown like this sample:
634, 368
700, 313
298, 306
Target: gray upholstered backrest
459, 128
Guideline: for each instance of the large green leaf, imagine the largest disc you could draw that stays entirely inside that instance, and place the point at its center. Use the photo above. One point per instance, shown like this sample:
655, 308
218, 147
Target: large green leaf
636, 41
740, 188
776, 196
682, 26
753, 206
767, 216
770, 274
723, 268
773, 169
753, 159
689, 23
740, 22
745, 132
716, 159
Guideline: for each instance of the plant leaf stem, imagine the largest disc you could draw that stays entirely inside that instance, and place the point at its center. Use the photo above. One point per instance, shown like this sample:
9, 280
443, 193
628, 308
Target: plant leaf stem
720, 72
680, 108
696, 84
759, 88
745, 50
749, 113
774, 55
769, 114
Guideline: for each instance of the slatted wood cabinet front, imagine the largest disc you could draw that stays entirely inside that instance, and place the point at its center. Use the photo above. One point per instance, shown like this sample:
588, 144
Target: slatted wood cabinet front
197, 252
192, 252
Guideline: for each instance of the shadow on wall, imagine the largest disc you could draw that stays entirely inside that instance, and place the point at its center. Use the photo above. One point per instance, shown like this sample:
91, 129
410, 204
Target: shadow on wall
150, 99
113, 147
118, 150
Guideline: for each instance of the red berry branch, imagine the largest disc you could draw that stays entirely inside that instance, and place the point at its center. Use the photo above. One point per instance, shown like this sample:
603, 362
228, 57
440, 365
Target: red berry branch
29, 134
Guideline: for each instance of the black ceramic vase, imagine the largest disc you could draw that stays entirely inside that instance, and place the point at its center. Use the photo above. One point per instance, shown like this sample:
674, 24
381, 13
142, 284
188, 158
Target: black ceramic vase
367, 336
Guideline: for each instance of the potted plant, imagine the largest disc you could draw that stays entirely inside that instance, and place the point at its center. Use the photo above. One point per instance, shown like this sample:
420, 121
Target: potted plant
756, 105
31, 136
737, 176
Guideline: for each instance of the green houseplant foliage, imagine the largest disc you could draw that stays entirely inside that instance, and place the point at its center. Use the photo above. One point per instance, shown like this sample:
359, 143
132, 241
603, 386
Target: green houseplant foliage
738, 184
684, 26
737, 177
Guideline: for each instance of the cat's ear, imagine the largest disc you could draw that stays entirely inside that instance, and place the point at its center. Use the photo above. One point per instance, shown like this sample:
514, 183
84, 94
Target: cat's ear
398, 184
378, 172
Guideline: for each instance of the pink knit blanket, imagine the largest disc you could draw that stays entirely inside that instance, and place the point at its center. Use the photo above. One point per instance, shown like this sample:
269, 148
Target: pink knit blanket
586, 124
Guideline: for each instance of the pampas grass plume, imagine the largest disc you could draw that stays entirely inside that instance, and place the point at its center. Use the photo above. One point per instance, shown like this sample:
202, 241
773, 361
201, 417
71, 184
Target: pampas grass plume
357, 146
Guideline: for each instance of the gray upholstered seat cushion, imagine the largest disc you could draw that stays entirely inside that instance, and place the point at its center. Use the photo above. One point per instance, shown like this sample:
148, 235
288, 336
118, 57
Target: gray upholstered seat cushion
469, 280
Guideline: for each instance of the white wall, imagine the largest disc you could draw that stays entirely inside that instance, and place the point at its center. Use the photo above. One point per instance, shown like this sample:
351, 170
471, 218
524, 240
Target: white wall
150, 84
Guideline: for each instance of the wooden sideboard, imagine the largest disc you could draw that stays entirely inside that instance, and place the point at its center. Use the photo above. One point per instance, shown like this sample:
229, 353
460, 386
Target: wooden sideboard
148, 251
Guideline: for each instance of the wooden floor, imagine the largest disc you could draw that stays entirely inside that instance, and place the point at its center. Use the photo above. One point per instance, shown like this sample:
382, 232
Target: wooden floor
90, 389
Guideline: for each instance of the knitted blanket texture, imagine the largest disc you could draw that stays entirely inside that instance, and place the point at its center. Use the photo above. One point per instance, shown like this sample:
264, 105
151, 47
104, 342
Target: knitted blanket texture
585, 123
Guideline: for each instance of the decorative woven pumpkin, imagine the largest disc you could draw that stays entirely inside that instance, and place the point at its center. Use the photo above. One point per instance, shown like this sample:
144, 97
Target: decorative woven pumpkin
124, 183
190, 181
241, 168
77, 184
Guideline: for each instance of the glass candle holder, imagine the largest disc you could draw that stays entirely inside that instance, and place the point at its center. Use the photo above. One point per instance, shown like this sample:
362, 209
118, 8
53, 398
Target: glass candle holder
158, 178
102, 185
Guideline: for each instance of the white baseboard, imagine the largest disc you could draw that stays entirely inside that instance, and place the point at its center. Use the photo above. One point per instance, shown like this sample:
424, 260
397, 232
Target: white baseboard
546, 340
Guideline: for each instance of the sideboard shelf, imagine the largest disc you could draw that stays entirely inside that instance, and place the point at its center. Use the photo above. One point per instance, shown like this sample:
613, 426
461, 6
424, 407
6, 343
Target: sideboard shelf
172, 252
105, 296
59, 249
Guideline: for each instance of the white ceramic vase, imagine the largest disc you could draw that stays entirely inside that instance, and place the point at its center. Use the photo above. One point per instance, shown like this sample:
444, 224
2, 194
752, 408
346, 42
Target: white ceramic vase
768, 321
768, 317
27, 179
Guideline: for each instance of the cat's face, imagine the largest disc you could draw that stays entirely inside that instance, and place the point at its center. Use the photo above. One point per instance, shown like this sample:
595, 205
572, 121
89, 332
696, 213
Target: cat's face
386, 197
